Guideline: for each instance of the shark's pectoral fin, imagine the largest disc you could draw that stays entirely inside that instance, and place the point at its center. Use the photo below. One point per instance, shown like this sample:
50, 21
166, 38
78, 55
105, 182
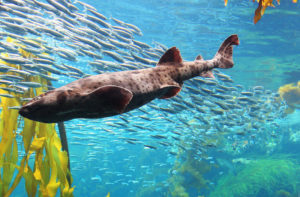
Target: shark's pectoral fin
113, 97
170, 91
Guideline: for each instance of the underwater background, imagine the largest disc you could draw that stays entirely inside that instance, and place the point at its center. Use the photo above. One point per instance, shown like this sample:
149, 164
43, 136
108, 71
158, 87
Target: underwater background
235, 135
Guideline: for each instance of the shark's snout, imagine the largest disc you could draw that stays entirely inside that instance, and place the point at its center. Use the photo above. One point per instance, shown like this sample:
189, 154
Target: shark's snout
30, 110
24, 111
44, 108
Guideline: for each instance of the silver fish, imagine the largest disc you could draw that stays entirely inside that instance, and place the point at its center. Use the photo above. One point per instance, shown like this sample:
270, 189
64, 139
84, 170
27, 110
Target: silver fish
4, 68
61, 7
14, 59
99, 15
114, 55
11, 77
85, 5
29, 84
7, 95
47, 7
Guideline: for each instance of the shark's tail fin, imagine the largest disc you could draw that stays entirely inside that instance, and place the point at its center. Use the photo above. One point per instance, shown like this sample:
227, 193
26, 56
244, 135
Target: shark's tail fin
224, 54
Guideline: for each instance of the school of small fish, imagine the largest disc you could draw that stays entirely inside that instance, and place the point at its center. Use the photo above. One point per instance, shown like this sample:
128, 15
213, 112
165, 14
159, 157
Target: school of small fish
63, 35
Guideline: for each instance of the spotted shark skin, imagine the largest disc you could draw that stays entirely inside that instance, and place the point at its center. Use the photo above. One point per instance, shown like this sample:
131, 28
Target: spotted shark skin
114, 93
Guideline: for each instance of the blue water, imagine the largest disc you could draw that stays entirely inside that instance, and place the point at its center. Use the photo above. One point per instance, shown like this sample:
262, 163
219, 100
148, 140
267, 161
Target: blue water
268, 51
198, 27
103, 161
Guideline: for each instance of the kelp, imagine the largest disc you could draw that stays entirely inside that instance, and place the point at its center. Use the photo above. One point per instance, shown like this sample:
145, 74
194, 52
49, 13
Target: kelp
50, 167
262, 5
290, 93
188, 175
262, 177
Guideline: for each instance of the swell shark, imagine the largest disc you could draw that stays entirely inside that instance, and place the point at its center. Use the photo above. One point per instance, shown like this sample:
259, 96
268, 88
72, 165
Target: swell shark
115, 93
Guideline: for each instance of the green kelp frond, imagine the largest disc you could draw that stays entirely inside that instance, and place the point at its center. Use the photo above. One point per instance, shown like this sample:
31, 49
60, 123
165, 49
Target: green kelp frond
265, 176
49, 171
283, 193
188, 175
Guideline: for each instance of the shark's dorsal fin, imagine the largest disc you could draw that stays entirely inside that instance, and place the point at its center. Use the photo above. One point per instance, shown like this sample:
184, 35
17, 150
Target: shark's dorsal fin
172, 55
199, 57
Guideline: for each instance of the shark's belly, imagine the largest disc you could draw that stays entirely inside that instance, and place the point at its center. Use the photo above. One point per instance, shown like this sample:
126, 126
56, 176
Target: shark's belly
141, 99
143, 88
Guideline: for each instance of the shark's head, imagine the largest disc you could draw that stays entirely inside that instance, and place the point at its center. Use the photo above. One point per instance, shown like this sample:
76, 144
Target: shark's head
44, 108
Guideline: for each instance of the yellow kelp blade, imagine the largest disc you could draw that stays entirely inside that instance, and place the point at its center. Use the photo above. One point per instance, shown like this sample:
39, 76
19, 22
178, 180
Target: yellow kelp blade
258, 12
37, 144
262, 5
30, 182
8, 144
28, 133
290, 93
52, 188
17, 179
45, 173
53, 184
52, 170
50, 166
294, 1
37, 165
9, 165
225, 2
8, 120
265, 4
68, 191
61, 158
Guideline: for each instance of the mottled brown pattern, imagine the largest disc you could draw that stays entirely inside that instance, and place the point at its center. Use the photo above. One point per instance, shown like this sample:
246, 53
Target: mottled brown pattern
61, 98
114, 93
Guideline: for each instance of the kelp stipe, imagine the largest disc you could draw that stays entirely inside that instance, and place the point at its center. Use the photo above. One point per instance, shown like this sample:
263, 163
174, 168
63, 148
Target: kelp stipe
50, 169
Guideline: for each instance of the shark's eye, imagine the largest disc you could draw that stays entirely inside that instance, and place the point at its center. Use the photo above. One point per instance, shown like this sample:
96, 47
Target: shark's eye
29, 109
37, 98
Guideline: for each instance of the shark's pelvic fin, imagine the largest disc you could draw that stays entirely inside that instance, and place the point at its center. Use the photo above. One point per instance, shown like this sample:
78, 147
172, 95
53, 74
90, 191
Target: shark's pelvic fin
171, 56
110, 95
208, 74
171, 90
